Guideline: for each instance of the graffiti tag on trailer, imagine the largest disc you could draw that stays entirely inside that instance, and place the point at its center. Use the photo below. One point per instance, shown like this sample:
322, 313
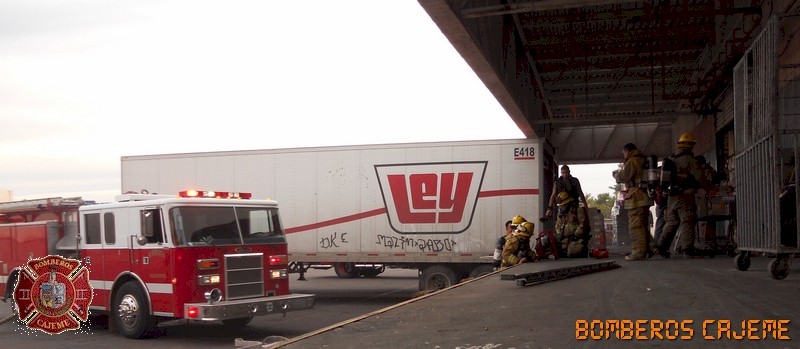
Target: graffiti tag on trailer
333, 240
424, 245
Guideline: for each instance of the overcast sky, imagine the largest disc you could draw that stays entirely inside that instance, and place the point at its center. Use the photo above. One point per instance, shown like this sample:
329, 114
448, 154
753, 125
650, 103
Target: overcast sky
85, 82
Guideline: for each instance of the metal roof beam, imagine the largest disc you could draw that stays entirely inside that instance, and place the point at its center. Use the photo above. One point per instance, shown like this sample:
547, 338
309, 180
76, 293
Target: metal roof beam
660, 51
620, 36
605, 144
534, 70
622, 85
646, 13
615, 63
634, 103
534, 6
680, 58
612, 119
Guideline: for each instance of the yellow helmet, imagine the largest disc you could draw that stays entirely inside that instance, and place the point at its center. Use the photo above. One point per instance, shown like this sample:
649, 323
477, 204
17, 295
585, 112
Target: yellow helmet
525, 229
564, 198
517, 220
687, 139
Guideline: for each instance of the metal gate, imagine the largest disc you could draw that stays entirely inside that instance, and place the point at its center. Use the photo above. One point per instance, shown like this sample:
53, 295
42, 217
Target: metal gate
766, 85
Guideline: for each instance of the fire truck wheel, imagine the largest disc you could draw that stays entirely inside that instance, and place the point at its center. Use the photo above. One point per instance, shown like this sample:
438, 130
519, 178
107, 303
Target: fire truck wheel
240, 322
437, 277
131, 311
345, 270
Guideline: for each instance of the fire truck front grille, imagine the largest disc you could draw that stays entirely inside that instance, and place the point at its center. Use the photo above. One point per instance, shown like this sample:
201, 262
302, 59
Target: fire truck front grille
244, 275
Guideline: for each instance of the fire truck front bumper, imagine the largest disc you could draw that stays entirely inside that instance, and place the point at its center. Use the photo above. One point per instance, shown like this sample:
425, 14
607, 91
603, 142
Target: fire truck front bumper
242, 308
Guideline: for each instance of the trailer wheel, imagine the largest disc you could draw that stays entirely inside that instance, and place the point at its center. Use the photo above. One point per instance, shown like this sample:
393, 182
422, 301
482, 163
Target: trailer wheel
131, 313
345, 270
779, 268
481, 270
371, 272
437, 277
240, 322
742, 260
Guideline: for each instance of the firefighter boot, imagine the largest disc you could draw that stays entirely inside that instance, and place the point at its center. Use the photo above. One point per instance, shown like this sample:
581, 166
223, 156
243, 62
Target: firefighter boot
637, 230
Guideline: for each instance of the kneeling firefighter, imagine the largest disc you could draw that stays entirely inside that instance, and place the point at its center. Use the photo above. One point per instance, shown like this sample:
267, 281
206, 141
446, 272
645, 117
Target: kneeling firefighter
518, 246
501, 241
572, 228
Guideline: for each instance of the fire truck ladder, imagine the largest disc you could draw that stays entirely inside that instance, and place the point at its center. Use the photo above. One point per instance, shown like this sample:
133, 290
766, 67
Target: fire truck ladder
549, 272
28, 210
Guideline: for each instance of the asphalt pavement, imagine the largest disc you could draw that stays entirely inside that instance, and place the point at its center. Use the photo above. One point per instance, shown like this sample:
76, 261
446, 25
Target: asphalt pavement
658, 303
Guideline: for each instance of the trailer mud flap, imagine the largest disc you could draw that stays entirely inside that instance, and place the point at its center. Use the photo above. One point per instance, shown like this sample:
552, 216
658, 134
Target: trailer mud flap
555, 272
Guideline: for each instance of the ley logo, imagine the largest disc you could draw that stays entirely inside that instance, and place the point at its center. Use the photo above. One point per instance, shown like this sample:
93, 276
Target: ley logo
431, 198
53, 294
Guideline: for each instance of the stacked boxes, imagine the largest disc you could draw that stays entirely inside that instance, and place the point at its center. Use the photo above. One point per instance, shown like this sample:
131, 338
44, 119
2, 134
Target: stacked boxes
721, 201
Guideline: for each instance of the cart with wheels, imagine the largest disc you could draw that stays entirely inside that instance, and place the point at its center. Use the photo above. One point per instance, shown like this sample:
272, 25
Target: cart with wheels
766, 87
716, 221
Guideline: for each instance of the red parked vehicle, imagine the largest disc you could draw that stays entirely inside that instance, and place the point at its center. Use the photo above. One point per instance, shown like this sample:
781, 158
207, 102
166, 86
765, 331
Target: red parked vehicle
197, 256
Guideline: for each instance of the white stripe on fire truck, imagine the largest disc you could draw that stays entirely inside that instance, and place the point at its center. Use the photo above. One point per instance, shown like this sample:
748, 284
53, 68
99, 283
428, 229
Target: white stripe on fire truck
3, 279
151, 286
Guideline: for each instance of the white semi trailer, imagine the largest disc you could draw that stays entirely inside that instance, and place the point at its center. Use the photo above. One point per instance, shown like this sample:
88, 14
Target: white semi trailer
437, 207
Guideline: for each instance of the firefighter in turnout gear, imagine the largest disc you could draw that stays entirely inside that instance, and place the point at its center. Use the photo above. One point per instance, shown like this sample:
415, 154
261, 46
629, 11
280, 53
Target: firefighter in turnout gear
571, 236
681, 209
501, 242
518, 246
637, 202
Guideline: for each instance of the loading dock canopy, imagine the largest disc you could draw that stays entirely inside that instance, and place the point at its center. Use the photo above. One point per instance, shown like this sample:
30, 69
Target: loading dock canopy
605, 72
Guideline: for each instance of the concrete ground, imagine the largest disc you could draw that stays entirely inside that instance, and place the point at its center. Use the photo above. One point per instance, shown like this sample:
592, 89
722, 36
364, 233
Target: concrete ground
699, 300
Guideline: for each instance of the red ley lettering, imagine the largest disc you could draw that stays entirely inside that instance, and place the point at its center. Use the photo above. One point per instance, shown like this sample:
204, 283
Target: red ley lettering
397, 184
453, 201
424, 190
431, 198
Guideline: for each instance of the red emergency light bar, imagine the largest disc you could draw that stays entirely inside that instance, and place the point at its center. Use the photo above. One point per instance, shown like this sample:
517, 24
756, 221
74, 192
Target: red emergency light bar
214, 194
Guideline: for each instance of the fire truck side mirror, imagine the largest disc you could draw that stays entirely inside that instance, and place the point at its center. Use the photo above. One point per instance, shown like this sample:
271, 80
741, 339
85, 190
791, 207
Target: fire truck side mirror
147, 224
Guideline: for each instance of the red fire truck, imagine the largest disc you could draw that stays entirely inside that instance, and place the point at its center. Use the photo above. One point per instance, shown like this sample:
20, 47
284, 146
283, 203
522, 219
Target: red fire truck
200, 255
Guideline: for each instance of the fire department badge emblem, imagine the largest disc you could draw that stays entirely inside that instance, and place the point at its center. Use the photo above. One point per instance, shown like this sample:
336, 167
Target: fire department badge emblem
53, 294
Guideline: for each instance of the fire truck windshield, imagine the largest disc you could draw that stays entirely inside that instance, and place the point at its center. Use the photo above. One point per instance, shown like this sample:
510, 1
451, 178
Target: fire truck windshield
226, 225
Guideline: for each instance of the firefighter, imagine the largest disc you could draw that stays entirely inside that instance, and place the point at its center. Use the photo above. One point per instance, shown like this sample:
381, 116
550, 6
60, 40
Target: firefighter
498, 248
516, 221
501, 241
517, 249
637, 202
566, 193
681, 212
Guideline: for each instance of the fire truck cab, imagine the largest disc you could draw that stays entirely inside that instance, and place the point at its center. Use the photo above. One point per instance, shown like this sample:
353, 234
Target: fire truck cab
199, 256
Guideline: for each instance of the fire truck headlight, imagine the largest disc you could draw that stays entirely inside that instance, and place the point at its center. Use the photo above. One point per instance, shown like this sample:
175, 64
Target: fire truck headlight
279, 274
213, 296
206, 280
